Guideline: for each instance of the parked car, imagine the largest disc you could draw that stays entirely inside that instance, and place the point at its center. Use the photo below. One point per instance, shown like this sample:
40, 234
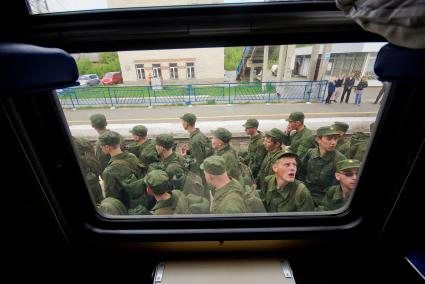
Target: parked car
112, 78
89, 80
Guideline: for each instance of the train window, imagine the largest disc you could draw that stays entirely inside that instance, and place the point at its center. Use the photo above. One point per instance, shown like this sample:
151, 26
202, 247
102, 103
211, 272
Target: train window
50, 6
259, 130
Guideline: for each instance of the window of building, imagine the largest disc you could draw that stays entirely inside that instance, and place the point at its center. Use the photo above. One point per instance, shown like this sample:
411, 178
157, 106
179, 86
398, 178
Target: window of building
156, 70
370, 62
140, 71
174, 72
190, 70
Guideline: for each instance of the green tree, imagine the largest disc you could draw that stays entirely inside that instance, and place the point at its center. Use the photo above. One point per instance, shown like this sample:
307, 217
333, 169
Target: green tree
232, 57
108, 62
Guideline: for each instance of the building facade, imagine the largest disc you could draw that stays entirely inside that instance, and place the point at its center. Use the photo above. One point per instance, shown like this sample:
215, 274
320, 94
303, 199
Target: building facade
343, 58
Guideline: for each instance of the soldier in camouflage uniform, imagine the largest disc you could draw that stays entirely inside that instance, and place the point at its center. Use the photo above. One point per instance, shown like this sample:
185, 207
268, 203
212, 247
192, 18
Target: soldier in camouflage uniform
169, 202
168, 159
318, 167
297, 136
228, 198
199, 146
98, 122
120, 168
284, 193
90, 166
256, 149
112, 206
341, 145
273, 144
220, 144
358, 145
337, 195
143, 148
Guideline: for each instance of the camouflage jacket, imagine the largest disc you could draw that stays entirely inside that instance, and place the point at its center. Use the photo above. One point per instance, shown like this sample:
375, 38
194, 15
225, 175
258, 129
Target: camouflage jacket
256, 153
119, 169
101, 157
333, 199
199, 149
176, 204
112, 206
232, 163
172, 165
294, 197
343, 147
147, 153
318, 173
358, 146
229, 199
300, 142
265, 170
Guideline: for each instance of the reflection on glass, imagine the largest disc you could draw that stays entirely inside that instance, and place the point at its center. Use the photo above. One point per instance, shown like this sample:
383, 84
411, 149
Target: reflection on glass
258, 130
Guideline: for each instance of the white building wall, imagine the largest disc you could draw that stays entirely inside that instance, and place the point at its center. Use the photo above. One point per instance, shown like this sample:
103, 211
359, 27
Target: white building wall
209, 64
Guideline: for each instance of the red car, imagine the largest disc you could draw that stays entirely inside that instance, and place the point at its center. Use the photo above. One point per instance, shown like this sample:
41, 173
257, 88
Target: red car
111, 78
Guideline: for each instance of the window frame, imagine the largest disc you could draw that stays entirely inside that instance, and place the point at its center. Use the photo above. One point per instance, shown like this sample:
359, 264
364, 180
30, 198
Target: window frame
367, 206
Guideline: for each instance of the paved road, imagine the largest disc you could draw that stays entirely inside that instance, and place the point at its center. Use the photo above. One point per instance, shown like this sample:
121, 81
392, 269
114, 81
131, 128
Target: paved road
166, 119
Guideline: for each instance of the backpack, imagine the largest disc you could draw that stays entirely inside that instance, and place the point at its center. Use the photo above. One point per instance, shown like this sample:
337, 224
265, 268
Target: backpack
252, 200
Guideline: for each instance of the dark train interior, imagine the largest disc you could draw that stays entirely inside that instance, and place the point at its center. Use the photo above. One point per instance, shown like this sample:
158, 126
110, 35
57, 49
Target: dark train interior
50, 226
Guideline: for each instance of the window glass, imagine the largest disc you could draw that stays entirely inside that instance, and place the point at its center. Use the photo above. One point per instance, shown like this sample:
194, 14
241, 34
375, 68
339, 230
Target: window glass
259, 129
56, 6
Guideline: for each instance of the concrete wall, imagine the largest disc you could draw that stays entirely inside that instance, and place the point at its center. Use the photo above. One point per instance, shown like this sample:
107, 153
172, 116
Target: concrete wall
209, 64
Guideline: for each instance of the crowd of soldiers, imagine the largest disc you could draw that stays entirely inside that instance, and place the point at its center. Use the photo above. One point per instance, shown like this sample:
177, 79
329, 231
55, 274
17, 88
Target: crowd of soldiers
281, 171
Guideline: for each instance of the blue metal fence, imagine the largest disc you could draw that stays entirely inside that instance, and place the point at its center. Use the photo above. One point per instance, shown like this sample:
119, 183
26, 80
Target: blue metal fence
227, 93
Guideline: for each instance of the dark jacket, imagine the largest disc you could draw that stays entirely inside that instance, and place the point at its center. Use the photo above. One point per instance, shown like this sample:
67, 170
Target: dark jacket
349, 83
361, 85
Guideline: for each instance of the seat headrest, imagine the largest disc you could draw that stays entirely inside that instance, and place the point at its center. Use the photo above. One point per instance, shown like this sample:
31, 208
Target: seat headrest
399, 64
28, 68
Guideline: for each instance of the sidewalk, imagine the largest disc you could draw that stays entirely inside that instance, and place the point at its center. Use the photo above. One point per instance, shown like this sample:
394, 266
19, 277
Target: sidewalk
167, 119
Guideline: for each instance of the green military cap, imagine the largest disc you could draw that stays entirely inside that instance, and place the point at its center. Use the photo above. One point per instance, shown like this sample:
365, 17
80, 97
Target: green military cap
165, 140
252, 122
341, 126
223, 134
157, 180
112, 206
189, 118
110, 138
98, 120
139, 130
276, 133
284, 153
327, 131
347, 164
296, 116
214, 165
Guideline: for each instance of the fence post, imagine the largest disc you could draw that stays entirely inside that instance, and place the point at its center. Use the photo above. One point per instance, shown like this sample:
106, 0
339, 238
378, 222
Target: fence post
72, 102
149, 96
229, 102
310, 91
76, 98
270, 92
189, 102
110, 98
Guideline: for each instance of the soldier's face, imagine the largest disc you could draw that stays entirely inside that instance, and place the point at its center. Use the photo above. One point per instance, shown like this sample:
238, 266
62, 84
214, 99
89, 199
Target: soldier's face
269, 144
216, 143
105, 149
286, 168
250, 131
347, 178
328, 143
136, 138
294, 125
159, 149
184, 124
